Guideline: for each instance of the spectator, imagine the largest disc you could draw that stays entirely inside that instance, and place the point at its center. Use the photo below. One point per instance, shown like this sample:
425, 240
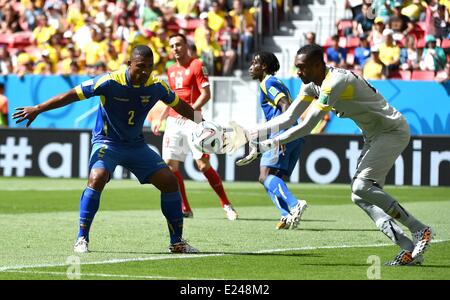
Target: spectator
228, 38
362, 52
440, 24
200, 31
54, 17
244, 22
95, 51
310, 38
186, 9
3, 107
377, 31
374, 67
409, 55
355, 6
211, 53
336, 56
413, 10
69, 56
6, 66
43, 32
399, 23
389, 52
103, 16
9, 19
24, 64
433, 57
114, 59
149, 14
216, 17
123, 29
444, 75
161, 44
44, 66
382, 8
363, 22
29, 15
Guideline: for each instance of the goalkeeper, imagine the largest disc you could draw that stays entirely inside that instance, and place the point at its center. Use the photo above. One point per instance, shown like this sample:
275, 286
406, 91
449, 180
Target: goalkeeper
274, 98
385, 131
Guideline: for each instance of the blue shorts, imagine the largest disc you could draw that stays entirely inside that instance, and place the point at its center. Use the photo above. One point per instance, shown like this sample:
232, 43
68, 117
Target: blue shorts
286, 160
142, 161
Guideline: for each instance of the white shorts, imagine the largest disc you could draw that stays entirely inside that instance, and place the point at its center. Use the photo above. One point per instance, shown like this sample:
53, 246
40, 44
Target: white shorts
380, 153
177, 140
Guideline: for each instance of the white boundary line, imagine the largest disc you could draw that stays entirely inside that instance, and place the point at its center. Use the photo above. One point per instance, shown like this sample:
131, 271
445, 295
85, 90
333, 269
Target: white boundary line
108, 275
176, 256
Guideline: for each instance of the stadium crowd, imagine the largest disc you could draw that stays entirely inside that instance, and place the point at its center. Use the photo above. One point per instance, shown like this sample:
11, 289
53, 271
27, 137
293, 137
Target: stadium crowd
94, 36
405, 39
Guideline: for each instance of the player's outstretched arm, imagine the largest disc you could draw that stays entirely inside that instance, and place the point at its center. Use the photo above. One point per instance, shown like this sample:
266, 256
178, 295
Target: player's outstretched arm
31, 112
312, 118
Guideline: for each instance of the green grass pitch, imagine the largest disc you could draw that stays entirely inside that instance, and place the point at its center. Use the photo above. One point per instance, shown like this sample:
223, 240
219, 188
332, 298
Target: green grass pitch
129, 237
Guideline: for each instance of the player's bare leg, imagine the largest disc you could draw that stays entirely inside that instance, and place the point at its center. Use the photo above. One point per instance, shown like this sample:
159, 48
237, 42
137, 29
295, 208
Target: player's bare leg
215, 182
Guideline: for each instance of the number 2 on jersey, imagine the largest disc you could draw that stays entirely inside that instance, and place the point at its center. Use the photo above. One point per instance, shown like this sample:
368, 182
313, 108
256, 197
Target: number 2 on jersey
131, 117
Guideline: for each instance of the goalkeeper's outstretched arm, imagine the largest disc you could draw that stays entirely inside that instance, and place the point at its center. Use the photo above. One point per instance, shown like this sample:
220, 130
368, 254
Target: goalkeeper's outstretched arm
285, 120
311, 120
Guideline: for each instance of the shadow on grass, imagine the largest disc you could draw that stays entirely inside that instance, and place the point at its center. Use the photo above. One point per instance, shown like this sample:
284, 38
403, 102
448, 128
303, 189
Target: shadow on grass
335, 229
275, 220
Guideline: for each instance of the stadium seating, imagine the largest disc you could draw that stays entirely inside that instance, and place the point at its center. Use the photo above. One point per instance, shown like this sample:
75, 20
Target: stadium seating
422, 75
342, 25
445, 43
400, 74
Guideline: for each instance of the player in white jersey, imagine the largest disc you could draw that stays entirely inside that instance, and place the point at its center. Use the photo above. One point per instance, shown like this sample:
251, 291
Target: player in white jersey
385, 131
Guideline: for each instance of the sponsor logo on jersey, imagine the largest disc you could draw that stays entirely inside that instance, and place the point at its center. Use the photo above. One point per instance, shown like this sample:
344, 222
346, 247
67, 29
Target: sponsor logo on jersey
145, 100
273, 91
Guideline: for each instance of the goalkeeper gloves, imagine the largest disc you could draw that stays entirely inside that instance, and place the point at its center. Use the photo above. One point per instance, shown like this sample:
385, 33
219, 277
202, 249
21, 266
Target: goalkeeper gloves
257, 148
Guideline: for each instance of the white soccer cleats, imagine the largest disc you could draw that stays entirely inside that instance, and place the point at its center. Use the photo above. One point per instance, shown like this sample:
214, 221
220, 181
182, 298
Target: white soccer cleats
81, 245
296, 214
231, 213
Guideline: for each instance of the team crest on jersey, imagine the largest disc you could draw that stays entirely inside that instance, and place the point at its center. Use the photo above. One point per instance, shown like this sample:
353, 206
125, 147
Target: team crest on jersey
187, 72
145, 100
273, 91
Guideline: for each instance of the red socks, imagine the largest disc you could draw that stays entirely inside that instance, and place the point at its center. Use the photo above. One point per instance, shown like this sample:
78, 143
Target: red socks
216, 183
184, 203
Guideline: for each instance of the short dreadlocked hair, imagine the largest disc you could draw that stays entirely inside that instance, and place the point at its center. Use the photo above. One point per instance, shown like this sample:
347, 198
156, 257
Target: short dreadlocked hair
270, 60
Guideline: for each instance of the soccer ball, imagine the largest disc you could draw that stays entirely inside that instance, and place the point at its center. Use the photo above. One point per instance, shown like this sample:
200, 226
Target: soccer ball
208, 137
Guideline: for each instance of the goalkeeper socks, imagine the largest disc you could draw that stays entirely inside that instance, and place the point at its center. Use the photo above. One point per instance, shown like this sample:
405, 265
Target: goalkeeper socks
280, 205
278, 187
89, 203
171, 209
216, 183
184, 204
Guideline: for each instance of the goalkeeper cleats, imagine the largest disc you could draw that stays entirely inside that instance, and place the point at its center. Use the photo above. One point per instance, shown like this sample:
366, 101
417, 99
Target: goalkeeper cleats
231, 213
405, 258
421, 239
81, 245
296, 213
182, 247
